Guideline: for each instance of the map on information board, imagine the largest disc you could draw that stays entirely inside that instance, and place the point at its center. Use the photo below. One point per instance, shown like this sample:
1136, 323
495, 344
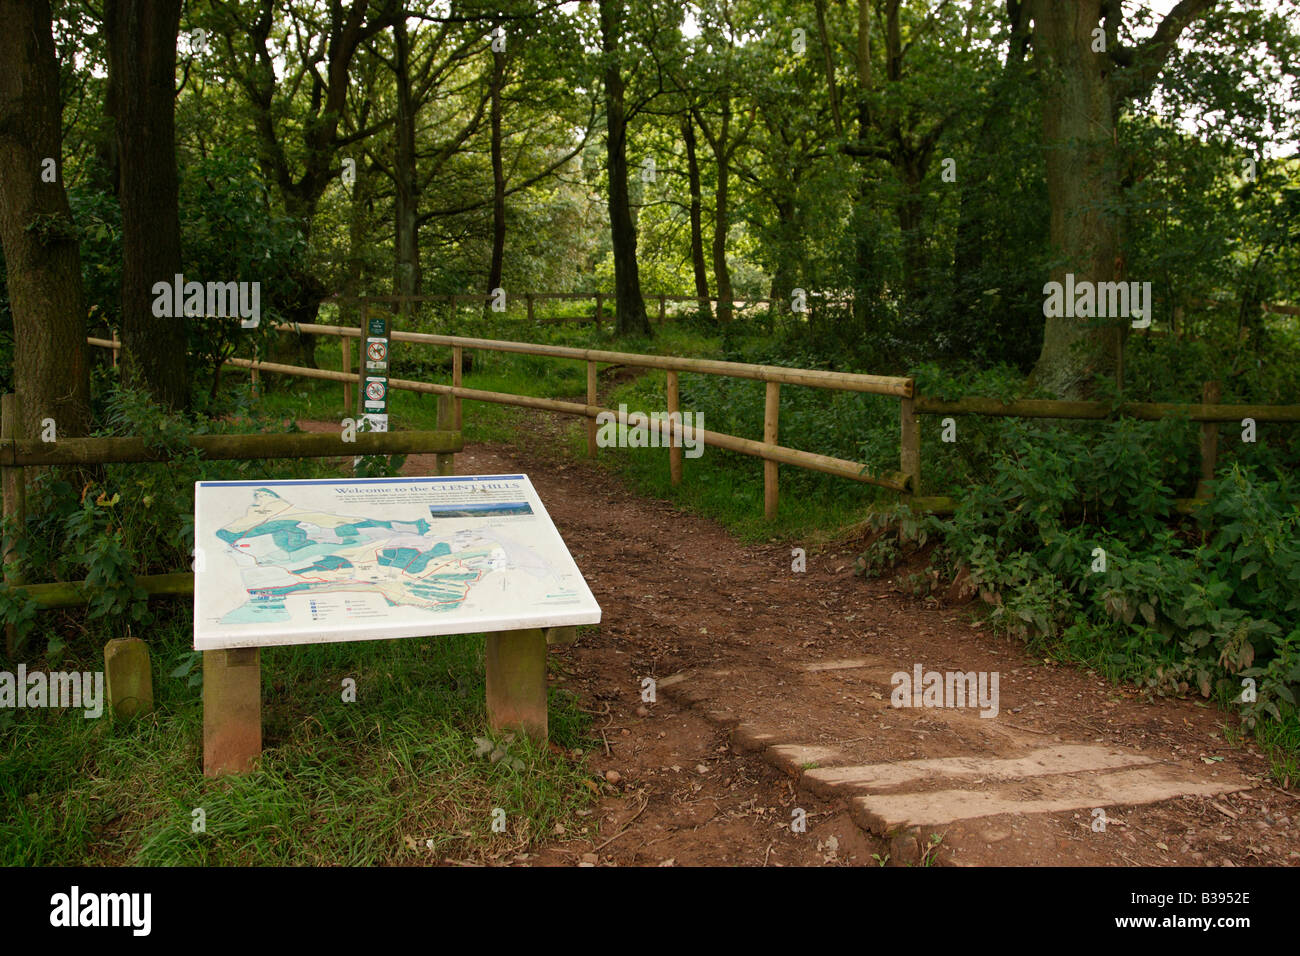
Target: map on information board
312, 561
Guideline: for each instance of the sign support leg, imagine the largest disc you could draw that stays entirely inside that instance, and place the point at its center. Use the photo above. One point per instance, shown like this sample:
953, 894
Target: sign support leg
232, 710
516, 682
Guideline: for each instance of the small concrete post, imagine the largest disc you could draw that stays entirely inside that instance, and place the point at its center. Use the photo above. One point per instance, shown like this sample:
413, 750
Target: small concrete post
129, 677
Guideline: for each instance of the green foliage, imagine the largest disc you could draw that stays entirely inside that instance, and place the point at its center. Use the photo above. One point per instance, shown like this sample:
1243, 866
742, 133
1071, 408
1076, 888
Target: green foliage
110, 524
1181, 606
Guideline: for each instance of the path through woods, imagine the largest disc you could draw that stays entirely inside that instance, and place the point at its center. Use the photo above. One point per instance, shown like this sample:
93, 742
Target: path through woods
774, 695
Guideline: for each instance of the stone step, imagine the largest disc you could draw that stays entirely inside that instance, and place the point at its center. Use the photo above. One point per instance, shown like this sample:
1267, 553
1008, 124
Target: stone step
877, 777
889, 813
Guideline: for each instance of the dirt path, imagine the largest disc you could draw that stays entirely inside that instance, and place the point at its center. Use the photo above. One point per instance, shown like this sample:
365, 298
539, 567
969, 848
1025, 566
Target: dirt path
773, 695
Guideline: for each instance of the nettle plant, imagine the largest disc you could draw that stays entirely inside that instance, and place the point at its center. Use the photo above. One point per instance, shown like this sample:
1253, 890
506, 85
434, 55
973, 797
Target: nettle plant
1075, 540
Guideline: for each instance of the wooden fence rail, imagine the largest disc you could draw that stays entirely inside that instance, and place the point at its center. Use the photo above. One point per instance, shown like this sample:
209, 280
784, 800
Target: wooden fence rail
906, 480
17, 453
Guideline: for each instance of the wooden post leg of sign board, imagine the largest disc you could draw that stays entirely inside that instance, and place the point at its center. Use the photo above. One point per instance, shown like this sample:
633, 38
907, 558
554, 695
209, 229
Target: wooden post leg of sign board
561, 635
232, 710
516, 682
446, 422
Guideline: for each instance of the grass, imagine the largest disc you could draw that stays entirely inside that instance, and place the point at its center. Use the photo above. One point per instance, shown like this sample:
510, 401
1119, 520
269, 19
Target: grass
392, 778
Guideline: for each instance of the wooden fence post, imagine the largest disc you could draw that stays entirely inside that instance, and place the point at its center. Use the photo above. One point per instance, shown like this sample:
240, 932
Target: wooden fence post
117, 344
1210, 395
771, 411
361, 358
516, 682
910, 445
663, 309
674, 444
591, 400
528, 297
457, 363
600, 306
15, 507
347, 368
446, 418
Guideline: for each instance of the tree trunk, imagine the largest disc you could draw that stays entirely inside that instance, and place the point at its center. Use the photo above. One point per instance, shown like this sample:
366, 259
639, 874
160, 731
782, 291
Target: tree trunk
866, 280
498, 179
910, 212
42, 260
1079, 134
141, 38
407, 204
698, 266
785, 247
722, 216
631, 315
977, 217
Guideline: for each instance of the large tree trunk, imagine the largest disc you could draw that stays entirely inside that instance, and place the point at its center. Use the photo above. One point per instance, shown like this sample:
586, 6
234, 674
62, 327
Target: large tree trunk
631, 315
43, 265
141, 96
1082, 91
498, 179
1079, 133
407, 279
698, 266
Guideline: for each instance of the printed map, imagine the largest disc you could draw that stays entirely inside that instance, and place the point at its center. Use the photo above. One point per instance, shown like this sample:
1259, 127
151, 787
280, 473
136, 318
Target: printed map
293, 562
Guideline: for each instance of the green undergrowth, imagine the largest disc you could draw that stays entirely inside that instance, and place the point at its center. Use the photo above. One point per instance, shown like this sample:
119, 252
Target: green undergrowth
396, 777
1077, 546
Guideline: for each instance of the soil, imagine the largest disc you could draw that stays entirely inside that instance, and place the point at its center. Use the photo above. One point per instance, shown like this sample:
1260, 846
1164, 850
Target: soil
778, 677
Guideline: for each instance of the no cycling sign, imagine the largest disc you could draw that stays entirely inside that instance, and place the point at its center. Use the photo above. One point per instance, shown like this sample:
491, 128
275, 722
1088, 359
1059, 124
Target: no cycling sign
374, 393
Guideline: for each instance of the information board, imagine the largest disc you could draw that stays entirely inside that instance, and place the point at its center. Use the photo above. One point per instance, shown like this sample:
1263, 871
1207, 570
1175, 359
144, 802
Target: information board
314, 561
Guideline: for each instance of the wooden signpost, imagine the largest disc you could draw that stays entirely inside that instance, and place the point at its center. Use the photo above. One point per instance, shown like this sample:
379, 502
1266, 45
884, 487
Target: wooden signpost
306, 562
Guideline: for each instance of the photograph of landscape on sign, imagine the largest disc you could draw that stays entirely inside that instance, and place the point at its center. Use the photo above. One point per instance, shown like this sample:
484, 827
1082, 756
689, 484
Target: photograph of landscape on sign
294, 562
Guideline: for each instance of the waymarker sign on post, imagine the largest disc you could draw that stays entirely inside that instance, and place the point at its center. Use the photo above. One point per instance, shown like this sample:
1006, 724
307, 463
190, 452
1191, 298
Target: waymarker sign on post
374, 389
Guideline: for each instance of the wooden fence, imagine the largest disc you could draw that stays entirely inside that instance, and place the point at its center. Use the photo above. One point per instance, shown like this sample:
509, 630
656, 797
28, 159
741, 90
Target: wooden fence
18, 453
905, 481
